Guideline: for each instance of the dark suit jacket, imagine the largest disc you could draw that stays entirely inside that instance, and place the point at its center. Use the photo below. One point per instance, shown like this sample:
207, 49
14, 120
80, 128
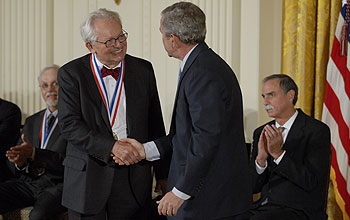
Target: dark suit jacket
10, 124
89, 169
209, 160
299, 180
46, 171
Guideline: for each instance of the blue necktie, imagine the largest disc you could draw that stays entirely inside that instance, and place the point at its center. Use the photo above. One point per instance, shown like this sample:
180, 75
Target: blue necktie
178, 80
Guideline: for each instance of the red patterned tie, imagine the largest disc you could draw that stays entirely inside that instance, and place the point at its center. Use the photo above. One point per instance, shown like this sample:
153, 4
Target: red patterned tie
113, 72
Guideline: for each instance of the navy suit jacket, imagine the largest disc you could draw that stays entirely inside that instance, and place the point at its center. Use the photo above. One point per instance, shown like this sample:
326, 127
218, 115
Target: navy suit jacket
89, 168
209, 160
45, 172
300, 179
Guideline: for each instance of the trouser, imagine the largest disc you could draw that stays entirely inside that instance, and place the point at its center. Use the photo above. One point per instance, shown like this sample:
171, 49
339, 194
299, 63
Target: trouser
17, 194
121, 203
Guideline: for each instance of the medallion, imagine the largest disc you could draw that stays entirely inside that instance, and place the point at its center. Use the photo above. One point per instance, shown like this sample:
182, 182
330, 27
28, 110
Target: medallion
115, 136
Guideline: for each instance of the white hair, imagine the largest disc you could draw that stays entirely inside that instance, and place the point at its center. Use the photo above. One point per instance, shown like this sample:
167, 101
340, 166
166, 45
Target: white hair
87, 30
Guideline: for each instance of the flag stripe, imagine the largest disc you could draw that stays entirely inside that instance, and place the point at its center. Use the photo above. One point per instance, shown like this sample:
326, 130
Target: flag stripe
341, 63
339, 153
333, 105
336, 114
339, 158
336, 82
341, 183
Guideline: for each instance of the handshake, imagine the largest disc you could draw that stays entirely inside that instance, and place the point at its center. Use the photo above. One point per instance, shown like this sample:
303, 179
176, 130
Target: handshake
128, 151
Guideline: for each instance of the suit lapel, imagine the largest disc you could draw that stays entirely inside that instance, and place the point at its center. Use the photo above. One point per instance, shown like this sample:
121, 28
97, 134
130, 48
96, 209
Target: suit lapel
130, 94
37, 128
200, 47
95, 93
55, 134
296, 132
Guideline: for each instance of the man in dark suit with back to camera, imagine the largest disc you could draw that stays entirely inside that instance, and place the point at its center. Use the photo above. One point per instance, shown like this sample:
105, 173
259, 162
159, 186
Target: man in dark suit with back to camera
37, 161
209, 176
105, 96
10, 125
290, 161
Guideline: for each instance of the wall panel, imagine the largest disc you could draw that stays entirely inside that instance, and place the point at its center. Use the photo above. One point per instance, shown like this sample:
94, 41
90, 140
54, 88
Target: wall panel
36, 33
26, 46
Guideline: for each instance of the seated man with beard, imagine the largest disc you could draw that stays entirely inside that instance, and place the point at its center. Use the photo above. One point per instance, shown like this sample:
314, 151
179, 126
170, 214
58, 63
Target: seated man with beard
37, 159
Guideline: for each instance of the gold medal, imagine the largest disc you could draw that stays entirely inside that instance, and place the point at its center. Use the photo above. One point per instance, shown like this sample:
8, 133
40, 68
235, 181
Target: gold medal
115, 136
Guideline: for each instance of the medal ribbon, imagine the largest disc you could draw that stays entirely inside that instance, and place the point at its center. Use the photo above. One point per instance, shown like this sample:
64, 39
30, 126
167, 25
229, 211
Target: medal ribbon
43, 141
112, 107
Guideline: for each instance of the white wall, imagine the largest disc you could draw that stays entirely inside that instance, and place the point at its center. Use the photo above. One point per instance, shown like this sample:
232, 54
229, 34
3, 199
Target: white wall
35, 33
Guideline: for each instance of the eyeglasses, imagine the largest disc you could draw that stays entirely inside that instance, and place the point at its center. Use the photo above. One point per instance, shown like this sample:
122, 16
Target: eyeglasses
46, 86
111, 42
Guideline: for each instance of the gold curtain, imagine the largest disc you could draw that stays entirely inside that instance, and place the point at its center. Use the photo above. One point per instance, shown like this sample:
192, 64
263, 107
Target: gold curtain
307, 37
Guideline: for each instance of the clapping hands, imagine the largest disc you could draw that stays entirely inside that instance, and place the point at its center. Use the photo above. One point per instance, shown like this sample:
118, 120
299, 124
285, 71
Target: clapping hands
270, 142
20, 153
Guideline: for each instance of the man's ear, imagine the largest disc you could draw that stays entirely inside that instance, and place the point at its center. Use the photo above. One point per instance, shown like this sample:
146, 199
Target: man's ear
174, 40
291, 94
90, 47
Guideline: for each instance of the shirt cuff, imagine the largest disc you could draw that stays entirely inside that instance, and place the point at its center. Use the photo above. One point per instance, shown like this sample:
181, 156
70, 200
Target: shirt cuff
278, 160
21, 169
151, 151
260, 169
180, 194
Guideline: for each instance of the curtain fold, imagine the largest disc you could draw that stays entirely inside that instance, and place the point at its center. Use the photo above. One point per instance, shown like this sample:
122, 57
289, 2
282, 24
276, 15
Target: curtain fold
308, 29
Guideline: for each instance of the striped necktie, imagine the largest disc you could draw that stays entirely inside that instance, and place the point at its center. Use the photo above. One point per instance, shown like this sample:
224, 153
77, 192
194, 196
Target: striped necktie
49, 121
281, 128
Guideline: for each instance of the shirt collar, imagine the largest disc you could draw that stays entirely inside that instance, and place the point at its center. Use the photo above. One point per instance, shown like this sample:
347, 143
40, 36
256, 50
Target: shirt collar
100, 65
290, 121
186, 57
55, 113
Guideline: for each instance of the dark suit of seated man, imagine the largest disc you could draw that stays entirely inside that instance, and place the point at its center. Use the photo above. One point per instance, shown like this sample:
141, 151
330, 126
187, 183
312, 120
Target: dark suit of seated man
10, 124
37, 162
290, 165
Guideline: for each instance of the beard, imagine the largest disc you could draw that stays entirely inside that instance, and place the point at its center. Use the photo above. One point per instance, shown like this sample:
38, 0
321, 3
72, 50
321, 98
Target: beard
53, 103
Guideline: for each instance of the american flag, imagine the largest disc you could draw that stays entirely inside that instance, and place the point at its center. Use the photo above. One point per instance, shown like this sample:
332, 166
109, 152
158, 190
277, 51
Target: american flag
336, 110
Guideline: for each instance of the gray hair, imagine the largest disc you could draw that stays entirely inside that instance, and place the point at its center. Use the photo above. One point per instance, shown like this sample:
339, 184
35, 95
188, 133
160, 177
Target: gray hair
286, 84
186, 21
87, 30
53, 66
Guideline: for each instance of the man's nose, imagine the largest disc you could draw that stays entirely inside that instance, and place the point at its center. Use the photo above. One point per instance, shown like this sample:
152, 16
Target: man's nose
266, 102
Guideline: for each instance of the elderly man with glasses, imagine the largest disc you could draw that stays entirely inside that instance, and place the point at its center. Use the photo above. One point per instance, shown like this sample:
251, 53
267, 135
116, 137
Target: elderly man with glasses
37, 160
105, 96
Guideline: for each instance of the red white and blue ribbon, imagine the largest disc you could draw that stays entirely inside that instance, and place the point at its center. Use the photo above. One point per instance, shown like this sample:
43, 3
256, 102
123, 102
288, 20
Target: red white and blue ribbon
44, 138
113, 104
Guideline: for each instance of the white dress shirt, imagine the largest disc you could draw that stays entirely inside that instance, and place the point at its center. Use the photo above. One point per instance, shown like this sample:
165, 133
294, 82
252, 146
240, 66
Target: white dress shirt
119, 126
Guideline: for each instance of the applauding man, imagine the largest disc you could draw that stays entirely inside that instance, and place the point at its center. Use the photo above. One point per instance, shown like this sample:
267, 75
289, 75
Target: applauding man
37, 161
290, 162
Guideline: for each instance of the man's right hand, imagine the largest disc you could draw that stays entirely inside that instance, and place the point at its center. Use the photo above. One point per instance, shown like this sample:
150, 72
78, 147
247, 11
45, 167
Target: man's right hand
137, 145
20, 153
262, 150
125, 154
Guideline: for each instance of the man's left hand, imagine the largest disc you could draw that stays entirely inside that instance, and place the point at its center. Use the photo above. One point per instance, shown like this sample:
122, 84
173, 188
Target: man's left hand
169, 204
20, 153
274, 140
